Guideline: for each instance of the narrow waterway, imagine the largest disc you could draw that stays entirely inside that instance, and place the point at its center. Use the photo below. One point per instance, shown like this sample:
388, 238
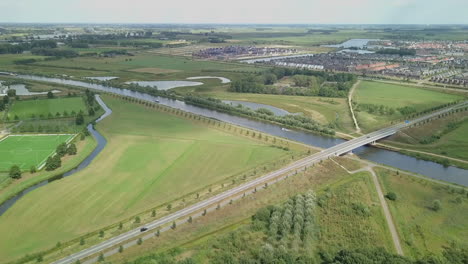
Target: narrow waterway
394, 159
101, 143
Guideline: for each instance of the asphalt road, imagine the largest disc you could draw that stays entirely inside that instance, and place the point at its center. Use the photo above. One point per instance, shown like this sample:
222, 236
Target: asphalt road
298, 165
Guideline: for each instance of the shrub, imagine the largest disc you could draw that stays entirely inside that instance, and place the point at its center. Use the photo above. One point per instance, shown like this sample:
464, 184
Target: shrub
391, 196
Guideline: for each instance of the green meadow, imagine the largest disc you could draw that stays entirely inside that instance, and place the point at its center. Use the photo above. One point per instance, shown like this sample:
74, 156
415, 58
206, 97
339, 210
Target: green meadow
26, 109
395, 96
151, 158
422, 229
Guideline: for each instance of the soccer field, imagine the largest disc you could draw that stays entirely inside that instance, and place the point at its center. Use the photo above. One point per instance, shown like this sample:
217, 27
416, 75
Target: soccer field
28, 150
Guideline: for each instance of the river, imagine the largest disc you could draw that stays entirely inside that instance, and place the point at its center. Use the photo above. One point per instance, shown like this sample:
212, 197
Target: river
394, 159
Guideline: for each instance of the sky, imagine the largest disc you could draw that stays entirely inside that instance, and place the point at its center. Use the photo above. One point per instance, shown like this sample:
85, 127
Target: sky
237, 11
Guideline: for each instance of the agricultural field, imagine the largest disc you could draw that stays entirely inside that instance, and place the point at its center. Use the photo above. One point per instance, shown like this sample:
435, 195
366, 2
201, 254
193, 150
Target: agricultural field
422, 229
393, 96
180, 157
445, 136
28, 150
43, 107
324, 110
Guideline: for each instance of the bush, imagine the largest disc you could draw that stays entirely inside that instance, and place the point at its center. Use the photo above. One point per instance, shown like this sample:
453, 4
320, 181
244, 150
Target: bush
15, 172
436, 205
391, 196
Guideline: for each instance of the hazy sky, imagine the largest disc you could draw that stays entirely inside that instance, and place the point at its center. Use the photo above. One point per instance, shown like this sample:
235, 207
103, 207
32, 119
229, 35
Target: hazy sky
237, 11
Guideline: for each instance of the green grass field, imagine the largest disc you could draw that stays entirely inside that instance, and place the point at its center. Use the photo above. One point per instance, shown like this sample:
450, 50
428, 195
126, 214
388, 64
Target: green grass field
421, 229
28, 150
151, 158
394, 96
25, 109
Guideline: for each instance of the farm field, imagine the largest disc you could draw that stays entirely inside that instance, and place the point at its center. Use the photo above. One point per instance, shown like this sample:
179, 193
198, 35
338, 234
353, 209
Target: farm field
146, 61
28, 150
423, 230
394, 96
323, 110
180, 157
26, 109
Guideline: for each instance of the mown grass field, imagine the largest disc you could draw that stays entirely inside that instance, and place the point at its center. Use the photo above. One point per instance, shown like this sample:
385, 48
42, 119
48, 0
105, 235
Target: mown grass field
26, 109
423, 230
323, 110
395, 96
28, 150
151, 158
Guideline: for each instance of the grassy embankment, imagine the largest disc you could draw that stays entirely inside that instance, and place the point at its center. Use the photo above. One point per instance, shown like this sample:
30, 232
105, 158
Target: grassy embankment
152, 158
445, 136
394, 96
422, 229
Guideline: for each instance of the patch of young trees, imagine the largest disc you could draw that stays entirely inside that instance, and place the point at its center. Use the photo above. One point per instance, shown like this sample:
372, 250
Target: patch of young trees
54, 162
307, 83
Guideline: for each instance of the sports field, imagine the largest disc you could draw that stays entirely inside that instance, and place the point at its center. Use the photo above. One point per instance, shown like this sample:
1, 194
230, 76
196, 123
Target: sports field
28, 150
27, 108
151, 158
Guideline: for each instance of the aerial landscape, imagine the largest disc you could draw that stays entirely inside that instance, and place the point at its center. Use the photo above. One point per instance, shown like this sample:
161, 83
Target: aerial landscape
241, 132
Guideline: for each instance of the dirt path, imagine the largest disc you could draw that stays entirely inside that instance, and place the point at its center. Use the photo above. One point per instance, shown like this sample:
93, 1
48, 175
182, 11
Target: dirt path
383, 204
350, 97
388, 215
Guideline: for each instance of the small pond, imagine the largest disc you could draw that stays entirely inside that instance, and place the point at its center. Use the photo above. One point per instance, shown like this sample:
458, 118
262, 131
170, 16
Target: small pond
21, 90
222, 79
166, 85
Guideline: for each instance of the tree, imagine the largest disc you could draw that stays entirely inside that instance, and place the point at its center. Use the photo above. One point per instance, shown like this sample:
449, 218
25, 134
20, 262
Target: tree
158, 233
61, 149
11, 92
120, 226
32, 169
174, 225
40, 258
121, 249
190, 220
6, 99
153, 213
204, 212
169, 207
79, 119
101, 257
71, 150
391, 196
436, 205
15, 172
82, 241
137, 220
53, 163
50, 95
139, 241
101, 233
